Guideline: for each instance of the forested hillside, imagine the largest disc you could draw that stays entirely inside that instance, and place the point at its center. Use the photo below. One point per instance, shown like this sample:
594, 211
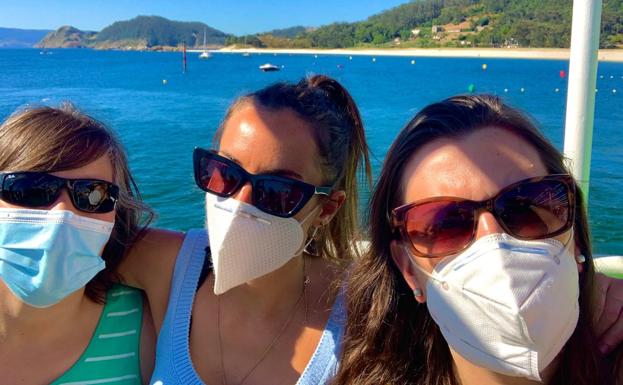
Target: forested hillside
456, 23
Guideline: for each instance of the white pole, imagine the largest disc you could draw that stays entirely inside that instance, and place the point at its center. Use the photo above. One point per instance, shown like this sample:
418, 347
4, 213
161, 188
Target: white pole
585, 30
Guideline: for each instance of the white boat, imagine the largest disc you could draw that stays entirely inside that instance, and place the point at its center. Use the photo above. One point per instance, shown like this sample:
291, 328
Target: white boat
269, 67
204, 54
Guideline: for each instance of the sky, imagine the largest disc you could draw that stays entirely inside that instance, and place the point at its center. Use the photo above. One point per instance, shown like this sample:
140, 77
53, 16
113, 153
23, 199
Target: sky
231, 16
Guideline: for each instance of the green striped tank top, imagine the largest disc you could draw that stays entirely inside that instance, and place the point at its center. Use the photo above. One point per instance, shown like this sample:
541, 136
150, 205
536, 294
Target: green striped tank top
112, 356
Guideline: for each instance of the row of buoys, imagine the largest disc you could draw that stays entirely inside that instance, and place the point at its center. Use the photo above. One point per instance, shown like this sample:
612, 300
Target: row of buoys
471, 88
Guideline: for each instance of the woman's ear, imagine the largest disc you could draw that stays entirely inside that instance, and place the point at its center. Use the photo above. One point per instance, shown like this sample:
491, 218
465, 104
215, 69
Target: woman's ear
330, 207
405, 265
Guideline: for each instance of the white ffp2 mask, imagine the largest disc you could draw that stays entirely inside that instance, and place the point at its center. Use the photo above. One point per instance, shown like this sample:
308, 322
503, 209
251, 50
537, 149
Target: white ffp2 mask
505, 304
247, 243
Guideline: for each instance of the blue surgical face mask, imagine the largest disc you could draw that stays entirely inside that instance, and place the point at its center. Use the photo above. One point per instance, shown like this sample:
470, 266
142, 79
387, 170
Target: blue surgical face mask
45, 255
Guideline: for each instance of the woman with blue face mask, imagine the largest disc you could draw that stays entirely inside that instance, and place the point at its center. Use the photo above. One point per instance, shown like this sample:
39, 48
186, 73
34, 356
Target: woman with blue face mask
69, 210
480, 269
263, 305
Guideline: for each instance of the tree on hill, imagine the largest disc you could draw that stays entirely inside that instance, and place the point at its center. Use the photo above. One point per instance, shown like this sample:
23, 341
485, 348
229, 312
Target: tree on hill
156, 30
529, 23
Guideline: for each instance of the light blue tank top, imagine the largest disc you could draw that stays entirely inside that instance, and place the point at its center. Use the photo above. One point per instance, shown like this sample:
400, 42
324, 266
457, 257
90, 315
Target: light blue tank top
173, 362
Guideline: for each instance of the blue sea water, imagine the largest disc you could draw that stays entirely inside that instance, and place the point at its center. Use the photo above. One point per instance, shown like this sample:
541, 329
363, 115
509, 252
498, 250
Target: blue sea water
160, 124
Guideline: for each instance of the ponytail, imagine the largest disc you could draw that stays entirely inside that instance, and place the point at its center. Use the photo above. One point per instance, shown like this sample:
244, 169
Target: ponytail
341, 235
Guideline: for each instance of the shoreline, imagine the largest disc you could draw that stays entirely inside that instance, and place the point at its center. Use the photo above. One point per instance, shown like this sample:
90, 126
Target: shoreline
605, 55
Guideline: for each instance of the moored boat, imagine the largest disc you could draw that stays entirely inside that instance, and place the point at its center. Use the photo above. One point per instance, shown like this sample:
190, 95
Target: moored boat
268, 67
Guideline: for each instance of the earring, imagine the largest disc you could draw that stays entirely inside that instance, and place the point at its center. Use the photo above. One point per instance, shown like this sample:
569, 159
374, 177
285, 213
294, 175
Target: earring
580, 258
309, 247
417, 292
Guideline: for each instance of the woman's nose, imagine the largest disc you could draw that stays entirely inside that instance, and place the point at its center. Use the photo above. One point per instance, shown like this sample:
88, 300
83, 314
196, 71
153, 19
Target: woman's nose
487, 225
244, 194
63, 202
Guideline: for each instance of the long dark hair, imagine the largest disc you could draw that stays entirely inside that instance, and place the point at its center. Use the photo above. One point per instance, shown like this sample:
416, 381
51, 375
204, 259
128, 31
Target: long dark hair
390, 338
55, 139
338, 130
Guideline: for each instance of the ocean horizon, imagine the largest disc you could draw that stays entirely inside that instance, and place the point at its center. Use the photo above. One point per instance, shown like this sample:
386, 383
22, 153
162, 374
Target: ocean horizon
161, 114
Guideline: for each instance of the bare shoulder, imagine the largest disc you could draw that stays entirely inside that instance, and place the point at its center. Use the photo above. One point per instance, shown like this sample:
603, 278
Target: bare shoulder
151, 258
149, 265
161, 243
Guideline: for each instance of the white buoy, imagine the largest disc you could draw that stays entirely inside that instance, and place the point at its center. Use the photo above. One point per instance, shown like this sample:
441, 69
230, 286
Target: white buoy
316, 56
557, 90
505, 89
601, 76
522, 89
412, 61
611, 77
350, 58
614, 91
596, 90
373, 59
165, 81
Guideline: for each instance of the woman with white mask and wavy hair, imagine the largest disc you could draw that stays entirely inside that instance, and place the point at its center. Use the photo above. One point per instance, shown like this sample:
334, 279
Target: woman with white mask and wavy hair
480, 269
262, 304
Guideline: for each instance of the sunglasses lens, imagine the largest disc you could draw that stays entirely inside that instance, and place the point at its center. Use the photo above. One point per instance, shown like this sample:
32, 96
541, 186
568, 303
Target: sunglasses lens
218, 177
440, 228
30, 189
535, 210
94, 196
279, 197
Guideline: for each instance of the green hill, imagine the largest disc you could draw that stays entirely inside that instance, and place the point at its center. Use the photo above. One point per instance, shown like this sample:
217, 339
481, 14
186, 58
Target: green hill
458, 23
66, 37
156, 30
142, 32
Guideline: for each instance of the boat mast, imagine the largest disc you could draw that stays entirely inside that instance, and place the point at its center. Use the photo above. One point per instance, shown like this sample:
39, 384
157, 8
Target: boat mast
585, 29
184, 58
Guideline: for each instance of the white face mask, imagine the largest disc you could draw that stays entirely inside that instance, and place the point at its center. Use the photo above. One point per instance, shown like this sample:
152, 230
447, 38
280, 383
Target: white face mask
505, 304
247, 243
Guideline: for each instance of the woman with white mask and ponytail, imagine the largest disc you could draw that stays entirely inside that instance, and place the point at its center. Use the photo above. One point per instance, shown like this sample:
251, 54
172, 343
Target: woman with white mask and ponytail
69, 209
262, 303
480, 268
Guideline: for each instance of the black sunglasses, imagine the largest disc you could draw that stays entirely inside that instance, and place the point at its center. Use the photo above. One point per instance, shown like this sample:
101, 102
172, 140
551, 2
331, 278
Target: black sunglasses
40, 189
276, 195
534, 208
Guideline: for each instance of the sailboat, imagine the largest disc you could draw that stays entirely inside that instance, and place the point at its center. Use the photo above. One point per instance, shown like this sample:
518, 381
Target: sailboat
204, 54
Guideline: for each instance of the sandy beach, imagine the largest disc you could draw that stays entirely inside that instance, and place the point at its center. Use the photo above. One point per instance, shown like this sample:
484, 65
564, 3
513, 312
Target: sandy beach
613, 55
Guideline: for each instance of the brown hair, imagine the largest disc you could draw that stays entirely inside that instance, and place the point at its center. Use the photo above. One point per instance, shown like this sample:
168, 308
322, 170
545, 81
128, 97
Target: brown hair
390, 338
338, 129
54, 139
